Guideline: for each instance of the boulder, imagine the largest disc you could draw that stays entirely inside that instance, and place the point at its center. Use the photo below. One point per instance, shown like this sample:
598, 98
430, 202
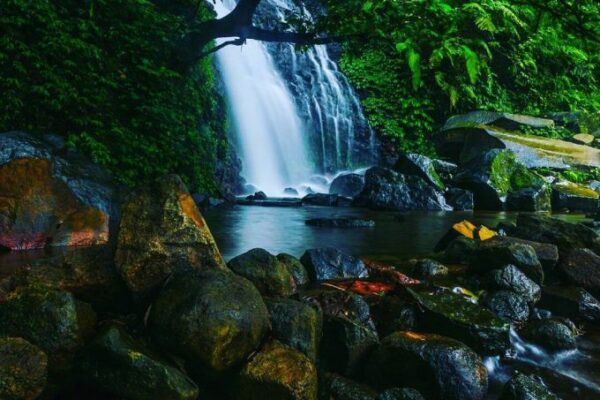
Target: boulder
209, 309
290, 192
297, 325
347, 185
460, 199
329, 263
571, 302
573, 197
162, 231
437, 366
565, 235
453, 315
389, 190
321, 199
278, 372
547, 253
400, 394
115, 364
523, 387
427, 268
511, 278
553, 334
529, 199
335, 386
459, 250
508, 305
341, 222
50, 319
465, 229
264, 270
391, 314
582, 268
23, 369
48, 200
584, 138
497, 252
295, 267
421, 166
257, 196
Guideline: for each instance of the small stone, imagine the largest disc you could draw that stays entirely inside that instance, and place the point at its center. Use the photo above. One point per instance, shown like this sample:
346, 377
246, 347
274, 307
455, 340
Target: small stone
508, 305
511, 278
553, 334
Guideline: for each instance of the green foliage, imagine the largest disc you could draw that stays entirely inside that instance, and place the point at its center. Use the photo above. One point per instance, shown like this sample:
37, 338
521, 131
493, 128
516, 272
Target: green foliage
98, 72
416, 62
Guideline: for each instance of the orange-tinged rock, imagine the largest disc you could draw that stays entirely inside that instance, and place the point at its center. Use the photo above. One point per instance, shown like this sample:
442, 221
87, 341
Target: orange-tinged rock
465, 228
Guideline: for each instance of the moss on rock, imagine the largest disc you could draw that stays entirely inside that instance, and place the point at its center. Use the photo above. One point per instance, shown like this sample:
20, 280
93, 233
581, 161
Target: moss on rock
23, 369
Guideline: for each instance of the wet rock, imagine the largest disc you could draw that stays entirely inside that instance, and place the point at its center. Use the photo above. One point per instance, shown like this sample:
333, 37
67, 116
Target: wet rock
565, 235
205, 201
47, 200
50, 319
547, 253
163, 232
321, 199
114, 363
257, 196
209, 309
391, 314
511, 278
296, 269
341, 222
347, 185
460, 250
454, 316
571, 302
529, 199
465, 229
296, 324
437, 366
290, 192
460, 199
508, 305
278, 372
23, 369
573, 197
264, 270
386, 189
334, 386
496, 253
500, 119
582, 268
523, 387
427, 268
445, 168
419, 165
329, 263
400, 394
553, 334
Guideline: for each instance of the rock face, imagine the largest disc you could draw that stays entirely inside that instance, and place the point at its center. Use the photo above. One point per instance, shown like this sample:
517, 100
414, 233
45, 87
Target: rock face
115, 364
278, 372
347, 185
23, 369
573, 197
209, 309
571, 302
438, 367
264, 270
419, 165
554, 334
523, 387
47, 200
52, 320
321, 199
582, 267
162, 232
329, 263
386, 189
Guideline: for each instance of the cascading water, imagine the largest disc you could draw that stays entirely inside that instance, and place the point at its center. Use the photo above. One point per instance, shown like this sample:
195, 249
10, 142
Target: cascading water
295, 114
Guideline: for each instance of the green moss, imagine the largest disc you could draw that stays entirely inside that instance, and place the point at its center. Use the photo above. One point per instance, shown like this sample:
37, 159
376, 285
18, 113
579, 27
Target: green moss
574, 189
523, 178
501, 170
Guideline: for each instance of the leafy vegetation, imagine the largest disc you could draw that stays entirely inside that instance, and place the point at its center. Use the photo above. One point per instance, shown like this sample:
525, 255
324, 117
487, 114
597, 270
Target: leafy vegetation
99, 73
418, 61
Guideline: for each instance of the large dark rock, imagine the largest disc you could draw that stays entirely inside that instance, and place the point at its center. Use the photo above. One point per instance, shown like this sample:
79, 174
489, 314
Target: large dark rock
419, 165
452, 315
529, 199
391, 314
114, 363
565, 235
329, 263
162, 232
209, 309
321, 199
573, 197
295, 267
296, 324
582, 268
341, 222
460, 199
554, 333
51, 200
508, 305
511, 278
335, 386
52, 320
427, 269
271, 277
496, 253
347, 185
547, 253
400, 394
437, 366
459, 250
386, 189
278, 372
571, 302
23, 369
523, 387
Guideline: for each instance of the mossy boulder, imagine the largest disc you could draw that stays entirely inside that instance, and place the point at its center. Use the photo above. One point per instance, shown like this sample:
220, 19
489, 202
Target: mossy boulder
335, 386
23, 369
329, 263
524, 387
52, 320
453, 315
419, 165
574, 197
437, 366
295, 267
162, 232
278, 372
553, 333
114, 363
212, 318
296, 324
271, 277
582, 268
572, 302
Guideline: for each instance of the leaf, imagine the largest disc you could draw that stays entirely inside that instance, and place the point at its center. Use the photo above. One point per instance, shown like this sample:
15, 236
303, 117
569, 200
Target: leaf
367, 6
472, 63
414, 63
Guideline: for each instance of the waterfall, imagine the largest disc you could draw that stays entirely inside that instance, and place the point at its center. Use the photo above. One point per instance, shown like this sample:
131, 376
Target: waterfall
294, 114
